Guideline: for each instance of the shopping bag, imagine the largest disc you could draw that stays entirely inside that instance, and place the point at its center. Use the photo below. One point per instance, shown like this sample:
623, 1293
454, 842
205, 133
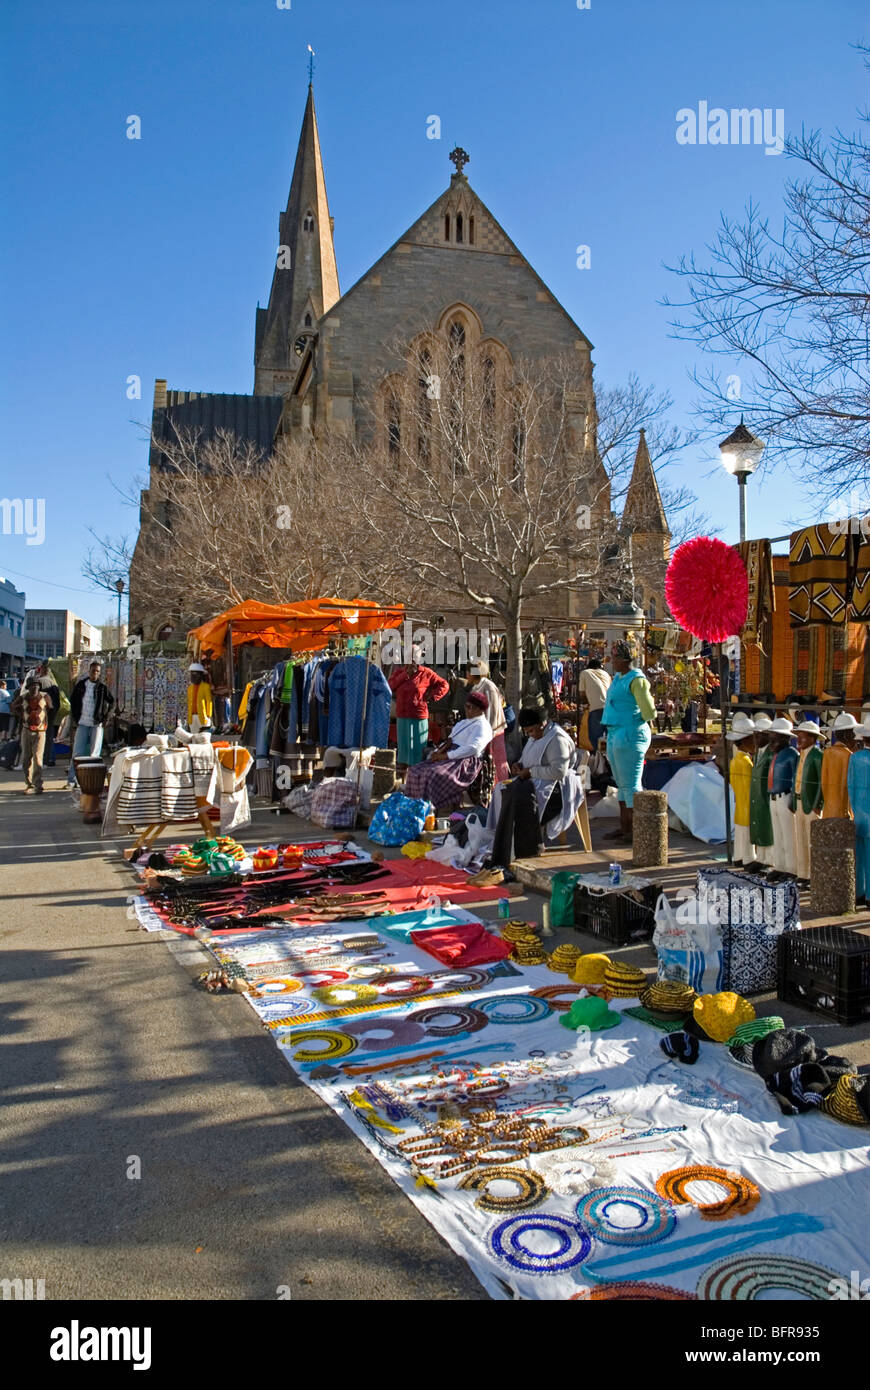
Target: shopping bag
689, 950
399, 818
562, 899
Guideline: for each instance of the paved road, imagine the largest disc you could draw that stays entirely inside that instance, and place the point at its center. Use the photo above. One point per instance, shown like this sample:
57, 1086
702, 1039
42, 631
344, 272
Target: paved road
108, 1051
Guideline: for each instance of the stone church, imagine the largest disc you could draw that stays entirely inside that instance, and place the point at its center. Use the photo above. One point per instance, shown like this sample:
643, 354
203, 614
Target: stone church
324, 360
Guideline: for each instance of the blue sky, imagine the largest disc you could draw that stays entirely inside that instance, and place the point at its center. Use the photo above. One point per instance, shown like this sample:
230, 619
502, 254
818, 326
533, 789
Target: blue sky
148, 257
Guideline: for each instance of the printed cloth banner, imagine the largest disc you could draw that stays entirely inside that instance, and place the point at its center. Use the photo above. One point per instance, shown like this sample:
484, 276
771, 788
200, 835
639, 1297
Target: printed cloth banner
818, 576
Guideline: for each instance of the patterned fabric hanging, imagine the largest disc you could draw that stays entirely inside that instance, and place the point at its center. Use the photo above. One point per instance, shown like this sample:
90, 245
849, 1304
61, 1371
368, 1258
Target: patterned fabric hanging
818, 576
756, 556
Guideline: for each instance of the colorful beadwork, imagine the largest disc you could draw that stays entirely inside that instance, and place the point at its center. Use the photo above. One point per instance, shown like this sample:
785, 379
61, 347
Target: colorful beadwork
401, 1032
532, 1188
401, 986
279, 986
746, 1277
742, 1196
346, 993
514, 1008
436, 1020
555, 995
631, 1290
657, 1221
574, 1244
337, 1044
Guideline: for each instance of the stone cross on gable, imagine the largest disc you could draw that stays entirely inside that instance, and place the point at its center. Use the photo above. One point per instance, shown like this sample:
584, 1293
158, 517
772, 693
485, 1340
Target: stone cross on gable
460, 158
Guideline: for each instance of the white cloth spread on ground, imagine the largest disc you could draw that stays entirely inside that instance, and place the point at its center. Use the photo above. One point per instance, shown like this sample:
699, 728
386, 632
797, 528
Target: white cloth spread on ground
630, 1117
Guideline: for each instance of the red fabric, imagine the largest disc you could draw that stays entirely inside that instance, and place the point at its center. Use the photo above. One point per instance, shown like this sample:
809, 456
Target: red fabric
413, 691
468, 943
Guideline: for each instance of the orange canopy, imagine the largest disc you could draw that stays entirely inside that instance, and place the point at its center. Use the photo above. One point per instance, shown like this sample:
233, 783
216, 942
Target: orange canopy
306, 626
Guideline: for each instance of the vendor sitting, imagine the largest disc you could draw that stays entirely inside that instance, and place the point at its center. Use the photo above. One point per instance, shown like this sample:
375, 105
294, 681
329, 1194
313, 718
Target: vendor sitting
456, 763
545, 791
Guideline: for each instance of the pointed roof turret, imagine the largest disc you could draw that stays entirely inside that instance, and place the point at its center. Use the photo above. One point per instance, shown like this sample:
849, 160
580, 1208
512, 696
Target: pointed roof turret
644, 508
305, 280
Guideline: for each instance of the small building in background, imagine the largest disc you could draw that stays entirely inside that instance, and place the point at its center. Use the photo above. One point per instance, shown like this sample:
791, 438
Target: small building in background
57, 632
12, 628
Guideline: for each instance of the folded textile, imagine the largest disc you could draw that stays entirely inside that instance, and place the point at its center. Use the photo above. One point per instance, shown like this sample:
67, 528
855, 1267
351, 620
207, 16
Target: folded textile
465, 944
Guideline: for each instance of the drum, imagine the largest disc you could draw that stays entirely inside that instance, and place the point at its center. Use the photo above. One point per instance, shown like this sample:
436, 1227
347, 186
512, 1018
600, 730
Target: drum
91, 777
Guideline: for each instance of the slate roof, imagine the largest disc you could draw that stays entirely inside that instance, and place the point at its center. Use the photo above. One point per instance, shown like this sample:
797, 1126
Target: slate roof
253, 418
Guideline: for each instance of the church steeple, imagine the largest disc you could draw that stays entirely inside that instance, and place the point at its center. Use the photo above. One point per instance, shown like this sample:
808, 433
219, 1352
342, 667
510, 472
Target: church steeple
643, 508
305, 280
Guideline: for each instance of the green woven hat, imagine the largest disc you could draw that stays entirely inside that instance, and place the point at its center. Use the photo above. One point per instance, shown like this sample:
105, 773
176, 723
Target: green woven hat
753, 1030
591, 1013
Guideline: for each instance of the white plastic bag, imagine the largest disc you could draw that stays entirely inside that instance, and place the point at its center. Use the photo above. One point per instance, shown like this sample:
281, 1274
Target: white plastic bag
688, 949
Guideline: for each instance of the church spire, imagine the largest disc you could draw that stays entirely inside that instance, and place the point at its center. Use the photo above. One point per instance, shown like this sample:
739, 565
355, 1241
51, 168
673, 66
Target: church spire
305, 280
644, 508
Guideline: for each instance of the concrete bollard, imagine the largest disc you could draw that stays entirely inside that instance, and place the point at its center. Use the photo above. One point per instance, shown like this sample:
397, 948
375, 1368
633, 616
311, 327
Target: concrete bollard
383, 780
649, 830
832, 866
385, 757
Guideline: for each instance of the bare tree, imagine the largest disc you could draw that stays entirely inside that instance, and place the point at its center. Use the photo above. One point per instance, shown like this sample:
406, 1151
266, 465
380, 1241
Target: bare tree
484, 479
790, 308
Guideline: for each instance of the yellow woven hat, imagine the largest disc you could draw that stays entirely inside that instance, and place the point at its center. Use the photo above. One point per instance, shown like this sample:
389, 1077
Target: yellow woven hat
841, 1103
589, 969
669, 997
720, 1014
624, 981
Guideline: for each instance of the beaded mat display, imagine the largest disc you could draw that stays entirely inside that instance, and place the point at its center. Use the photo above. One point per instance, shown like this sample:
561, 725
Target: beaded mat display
559, 1165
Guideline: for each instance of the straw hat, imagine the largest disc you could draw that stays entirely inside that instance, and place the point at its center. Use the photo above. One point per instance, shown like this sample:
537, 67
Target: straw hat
720, 1014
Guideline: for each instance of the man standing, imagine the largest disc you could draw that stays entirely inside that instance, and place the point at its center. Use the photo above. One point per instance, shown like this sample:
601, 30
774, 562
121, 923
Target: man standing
51, 690
593, 686
31, 707
807, 801
742, 735
90, 707
760, 823
780, 787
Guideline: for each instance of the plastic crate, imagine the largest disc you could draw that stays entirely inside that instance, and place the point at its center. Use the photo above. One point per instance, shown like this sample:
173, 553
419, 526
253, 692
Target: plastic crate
826, 969
617, 917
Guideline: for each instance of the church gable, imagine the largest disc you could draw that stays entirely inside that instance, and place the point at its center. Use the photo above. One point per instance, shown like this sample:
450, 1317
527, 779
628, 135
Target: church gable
459, 218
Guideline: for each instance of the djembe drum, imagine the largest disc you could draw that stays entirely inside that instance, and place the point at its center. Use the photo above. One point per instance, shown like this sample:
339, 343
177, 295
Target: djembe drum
91, 777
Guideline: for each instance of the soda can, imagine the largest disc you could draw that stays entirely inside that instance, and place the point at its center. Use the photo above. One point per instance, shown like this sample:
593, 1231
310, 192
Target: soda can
615, 873
504, 908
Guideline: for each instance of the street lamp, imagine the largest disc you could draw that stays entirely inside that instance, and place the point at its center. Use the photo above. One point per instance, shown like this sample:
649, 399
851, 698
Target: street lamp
741, 455
119, 585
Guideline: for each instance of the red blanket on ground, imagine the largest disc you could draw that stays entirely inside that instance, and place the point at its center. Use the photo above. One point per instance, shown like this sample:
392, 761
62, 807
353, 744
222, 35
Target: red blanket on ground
468, 943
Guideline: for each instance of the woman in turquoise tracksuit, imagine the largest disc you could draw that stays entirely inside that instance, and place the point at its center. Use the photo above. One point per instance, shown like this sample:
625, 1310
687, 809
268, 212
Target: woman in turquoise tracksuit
627, 711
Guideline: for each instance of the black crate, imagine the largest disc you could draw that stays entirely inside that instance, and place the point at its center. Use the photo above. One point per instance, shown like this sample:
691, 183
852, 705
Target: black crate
826, 969
620, 917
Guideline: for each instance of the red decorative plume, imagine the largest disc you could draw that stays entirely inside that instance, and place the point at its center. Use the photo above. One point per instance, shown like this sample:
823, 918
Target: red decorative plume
707, 589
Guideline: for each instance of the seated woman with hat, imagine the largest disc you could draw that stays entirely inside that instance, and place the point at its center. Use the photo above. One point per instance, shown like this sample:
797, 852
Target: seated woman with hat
455, 763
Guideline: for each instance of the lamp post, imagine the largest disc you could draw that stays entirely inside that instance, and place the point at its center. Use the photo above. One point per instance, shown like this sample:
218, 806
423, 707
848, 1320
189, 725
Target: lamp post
741, 455
119, 585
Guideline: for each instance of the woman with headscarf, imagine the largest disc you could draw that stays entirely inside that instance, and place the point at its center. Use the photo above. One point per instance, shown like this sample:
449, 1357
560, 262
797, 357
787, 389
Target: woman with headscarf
456, 763
479, 681
628, 711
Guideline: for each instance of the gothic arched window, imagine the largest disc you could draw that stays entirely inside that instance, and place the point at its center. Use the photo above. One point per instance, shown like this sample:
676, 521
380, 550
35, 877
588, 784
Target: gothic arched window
394, 425
447, 227
308, 222
459, 226
307, 320
471, 231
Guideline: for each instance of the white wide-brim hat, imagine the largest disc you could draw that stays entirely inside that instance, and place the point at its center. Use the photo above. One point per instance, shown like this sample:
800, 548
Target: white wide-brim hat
197, 666
808, 727
782, 726
741, 727
762, 723
844, 721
